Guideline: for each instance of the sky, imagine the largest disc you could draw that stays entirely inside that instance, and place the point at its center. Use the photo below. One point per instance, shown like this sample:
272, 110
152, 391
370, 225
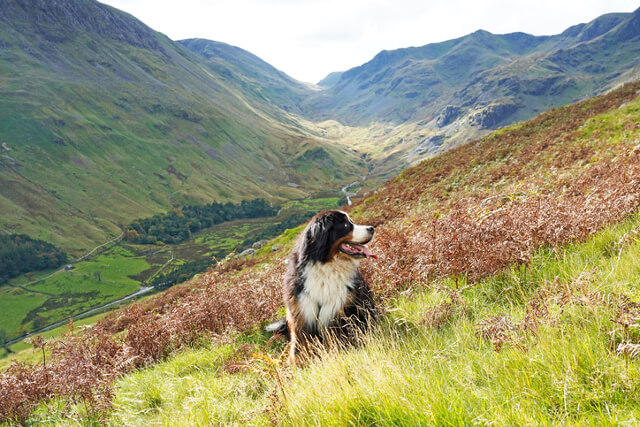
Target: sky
308, 39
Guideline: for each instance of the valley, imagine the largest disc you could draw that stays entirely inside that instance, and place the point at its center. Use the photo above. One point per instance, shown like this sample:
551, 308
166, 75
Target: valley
101, 125
485, 163
516, 253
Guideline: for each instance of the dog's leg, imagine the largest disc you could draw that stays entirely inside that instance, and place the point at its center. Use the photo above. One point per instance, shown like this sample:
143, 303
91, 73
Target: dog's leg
305, 346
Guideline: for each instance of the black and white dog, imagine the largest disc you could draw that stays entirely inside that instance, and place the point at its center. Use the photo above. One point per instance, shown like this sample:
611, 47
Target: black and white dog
327, 299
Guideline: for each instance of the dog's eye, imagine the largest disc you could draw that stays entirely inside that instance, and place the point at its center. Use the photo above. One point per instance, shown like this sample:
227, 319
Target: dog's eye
346, 224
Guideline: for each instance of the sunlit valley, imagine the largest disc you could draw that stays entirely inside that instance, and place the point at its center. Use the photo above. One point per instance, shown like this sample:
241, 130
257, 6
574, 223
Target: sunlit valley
151, 190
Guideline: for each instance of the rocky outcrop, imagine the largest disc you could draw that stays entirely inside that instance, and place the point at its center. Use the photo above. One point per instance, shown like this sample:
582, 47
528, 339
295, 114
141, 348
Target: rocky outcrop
429, 145
492, 115
61, 21
448, 115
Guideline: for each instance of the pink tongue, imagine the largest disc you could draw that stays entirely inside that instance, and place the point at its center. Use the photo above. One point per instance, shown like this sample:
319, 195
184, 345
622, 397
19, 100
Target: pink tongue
368, 253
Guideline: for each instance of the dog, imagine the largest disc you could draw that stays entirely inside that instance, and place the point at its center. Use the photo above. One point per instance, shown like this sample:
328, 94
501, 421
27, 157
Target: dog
326, 297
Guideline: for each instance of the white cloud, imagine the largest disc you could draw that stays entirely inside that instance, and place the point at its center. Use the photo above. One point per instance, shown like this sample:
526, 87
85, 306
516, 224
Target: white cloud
307, 39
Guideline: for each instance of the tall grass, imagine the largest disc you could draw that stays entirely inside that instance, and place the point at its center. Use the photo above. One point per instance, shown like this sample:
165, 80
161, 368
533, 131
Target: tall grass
433, 360
190, 389
454, 378
563, 371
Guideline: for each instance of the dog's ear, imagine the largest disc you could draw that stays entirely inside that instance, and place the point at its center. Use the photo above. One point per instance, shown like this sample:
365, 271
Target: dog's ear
317, 239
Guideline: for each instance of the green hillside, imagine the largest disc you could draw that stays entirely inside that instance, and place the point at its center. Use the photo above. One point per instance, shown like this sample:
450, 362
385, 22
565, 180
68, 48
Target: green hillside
103, 120
250, 74
525, 347
507, 272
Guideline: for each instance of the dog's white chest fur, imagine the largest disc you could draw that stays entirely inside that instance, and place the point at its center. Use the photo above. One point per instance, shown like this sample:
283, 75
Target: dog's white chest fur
326, 290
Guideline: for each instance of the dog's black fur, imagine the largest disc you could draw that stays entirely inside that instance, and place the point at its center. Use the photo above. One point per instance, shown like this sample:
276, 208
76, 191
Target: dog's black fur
322, 272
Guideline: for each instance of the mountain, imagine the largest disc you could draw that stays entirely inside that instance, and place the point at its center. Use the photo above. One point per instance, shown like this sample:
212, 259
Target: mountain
103, 120
250, 74
330, 80
459, 89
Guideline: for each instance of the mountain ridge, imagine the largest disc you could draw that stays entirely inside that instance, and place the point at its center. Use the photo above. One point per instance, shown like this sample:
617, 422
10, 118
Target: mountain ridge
451, 62
104, 120
420, 101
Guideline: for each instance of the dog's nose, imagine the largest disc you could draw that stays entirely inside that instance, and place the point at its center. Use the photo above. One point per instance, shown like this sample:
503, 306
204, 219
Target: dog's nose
370, 229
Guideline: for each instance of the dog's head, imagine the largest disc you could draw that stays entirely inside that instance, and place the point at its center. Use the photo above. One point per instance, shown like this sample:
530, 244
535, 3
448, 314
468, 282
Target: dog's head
332, 233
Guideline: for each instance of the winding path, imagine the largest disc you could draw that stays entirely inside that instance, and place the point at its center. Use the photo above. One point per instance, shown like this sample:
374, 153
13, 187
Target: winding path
84, 313
83, 257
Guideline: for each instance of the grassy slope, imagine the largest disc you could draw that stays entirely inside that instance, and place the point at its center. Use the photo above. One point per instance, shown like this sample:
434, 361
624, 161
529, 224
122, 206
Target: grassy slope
429, 363
548, 310
412, 371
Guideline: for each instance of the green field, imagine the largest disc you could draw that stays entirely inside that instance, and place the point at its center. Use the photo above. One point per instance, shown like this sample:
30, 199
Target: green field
121, 270
229, 238
111, 275
92, 283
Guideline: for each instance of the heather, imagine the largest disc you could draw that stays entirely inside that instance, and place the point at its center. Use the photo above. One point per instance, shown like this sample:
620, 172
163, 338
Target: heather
498, 259
552, 343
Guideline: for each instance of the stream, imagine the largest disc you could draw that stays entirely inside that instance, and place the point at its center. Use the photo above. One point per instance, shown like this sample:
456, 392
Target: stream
346, 187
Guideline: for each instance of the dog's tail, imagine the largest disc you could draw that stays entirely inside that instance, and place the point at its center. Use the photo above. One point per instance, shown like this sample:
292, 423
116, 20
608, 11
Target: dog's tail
280, 327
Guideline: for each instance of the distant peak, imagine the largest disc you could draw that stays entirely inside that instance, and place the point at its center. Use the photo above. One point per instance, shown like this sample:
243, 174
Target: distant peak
63, 20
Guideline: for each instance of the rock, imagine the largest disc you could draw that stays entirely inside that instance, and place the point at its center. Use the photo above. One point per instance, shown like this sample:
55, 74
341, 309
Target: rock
247, 253
429, 145
6, 159
260, 243
448, 115
491, 115
275, 247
